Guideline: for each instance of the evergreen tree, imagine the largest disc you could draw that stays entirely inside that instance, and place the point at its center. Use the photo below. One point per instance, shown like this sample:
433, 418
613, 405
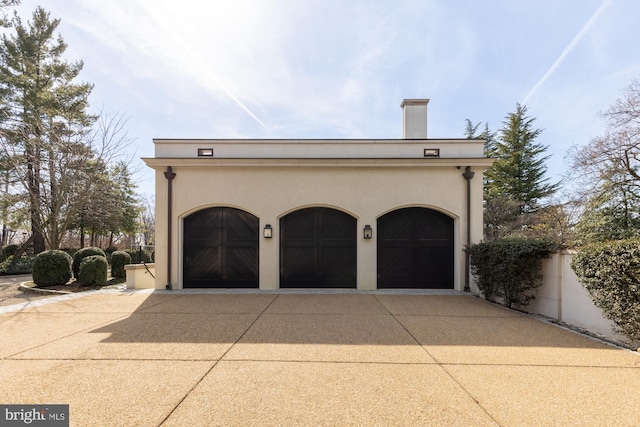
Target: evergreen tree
518, 173
471, 132
113, 207
610, 216
45, 122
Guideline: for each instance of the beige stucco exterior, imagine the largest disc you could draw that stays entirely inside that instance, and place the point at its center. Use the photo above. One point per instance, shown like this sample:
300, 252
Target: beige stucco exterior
271, 178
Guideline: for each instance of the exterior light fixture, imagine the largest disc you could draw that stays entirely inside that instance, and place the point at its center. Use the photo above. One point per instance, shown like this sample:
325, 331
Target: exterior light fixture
267, 232
205, 152
368, 232
432, 152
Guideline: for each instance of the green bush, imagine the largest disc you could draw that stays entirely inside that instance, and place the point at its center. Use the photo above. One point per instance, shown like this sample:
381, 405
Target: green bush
508, 269
147, 256
108, 252
22, 265
52, 268
610, 272
118, 260
83, 253
10, 250
93, 270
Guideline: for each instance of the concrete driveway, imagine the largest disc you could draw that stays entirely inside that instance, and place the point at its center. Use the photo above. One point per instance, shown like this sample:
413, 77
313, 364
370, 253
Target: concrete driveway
184, 359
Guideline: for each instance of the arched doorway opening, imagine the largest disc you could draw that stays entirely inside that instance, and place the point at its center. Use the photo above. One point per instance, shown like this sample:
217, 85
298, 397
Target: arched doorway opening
415, 249
220, 249
318, 249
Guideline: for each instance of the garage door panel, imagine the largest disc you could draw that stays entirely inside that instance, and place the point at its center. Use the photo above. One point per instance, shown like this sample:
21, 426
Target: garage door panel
298, 264
240, 227
415, 249
220, 249
202, 263
318, 249
241, 263
433, 261
395, 228
338, 264
336, 243
336, 225
398, 264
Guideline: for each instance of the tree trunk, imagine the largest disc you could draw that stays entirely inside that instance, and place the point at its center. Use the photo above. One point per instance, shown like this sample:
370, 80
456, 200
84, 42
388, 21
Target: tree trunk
33, 171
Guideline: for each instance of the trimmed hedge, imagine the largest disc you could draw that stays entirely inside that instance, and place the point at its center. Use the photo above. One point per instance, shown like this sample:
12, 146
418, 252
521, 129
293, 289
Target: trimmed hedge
610, 272
83, 253
506, 270
118, 260
93, 270
147, 256
22, 265
52, 268
9, 251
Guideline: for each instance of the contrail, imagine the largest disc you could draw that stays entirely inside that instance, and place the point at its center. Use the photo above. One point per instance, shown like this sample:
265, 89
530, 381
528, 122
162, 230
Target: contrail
198, 59
568, 49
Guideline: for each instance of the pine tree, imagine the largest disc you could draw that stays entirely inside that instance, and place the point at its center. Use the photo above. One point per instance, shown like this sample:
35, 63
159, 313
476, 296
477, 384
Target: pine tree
44, 120
518, 173
471, 132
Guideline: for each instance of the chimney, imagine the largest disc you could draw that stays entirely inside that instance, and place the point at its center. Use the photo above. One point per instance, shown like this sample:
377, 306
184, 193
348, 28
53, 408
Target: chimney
414, 118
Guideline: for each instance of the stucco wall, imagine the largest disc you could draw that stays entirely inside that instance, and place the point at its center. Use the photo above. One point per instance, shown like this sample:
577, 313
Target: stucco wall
270, 192
562, 297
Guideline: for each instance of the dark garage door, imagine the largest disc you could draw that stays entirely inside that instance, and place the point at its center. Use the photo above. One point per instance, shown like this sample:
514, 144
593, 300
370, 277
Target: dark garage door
318, 249
221, 249
415, 249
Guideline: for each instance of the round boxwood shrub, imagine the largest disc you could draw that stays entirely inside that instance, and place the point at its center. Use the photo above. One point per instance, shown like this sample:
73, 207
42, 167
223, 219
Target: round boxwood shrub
118, 260
93, 270
83, 253
10, 250
52, 268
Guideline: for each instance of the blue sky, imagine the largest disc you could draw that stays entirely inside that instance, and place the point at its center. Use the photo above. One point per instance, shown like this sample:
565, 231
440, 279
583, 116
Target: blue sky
340, 69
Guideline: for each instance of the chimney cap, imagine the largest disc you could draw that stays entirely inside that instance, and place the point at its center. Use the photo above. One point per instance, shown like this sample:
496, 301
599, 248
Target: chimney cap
422, 101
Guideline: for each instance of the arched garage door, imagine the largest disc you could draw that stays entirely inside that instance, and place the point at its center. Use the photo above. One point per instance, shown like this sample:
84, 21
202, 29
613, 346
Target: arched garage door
318, 249
220, 249
415, 249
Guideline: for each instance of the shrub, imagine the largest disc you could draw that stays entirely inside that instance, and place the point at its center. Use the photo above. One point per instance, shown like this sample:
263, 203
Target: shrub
52, 268
22, 265
108, 252
135, 256
83, 253
10, 250
93, 270
118, 260
610, 272
508, 269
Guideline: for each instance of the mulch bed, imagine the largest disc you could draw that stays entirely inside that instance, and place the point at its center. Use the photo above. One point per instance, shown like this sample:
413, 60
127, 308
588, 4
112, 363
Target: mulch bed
73, 286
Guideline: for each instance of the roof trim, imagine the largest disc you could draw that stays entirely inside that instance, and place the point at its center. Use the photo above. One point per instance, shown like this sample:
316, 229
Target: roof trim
158, 162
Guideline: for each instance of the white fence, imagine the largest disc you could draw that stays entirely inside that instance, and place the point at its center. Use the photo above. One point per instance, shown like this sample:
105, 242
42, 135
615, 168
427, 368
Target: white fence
563, 298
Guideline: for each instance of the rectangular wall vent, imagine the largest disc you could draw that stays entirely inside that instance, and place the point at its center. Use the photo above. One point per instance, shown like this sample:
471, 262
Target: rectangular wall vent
432, 152
205, 152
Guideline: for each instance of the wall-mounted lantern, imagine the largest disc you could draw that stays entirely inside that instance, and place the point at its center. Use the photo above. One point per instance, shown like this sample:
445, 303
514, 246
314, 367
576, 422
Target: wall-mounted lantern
368, 231
267, 232
432, 152
205, 152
